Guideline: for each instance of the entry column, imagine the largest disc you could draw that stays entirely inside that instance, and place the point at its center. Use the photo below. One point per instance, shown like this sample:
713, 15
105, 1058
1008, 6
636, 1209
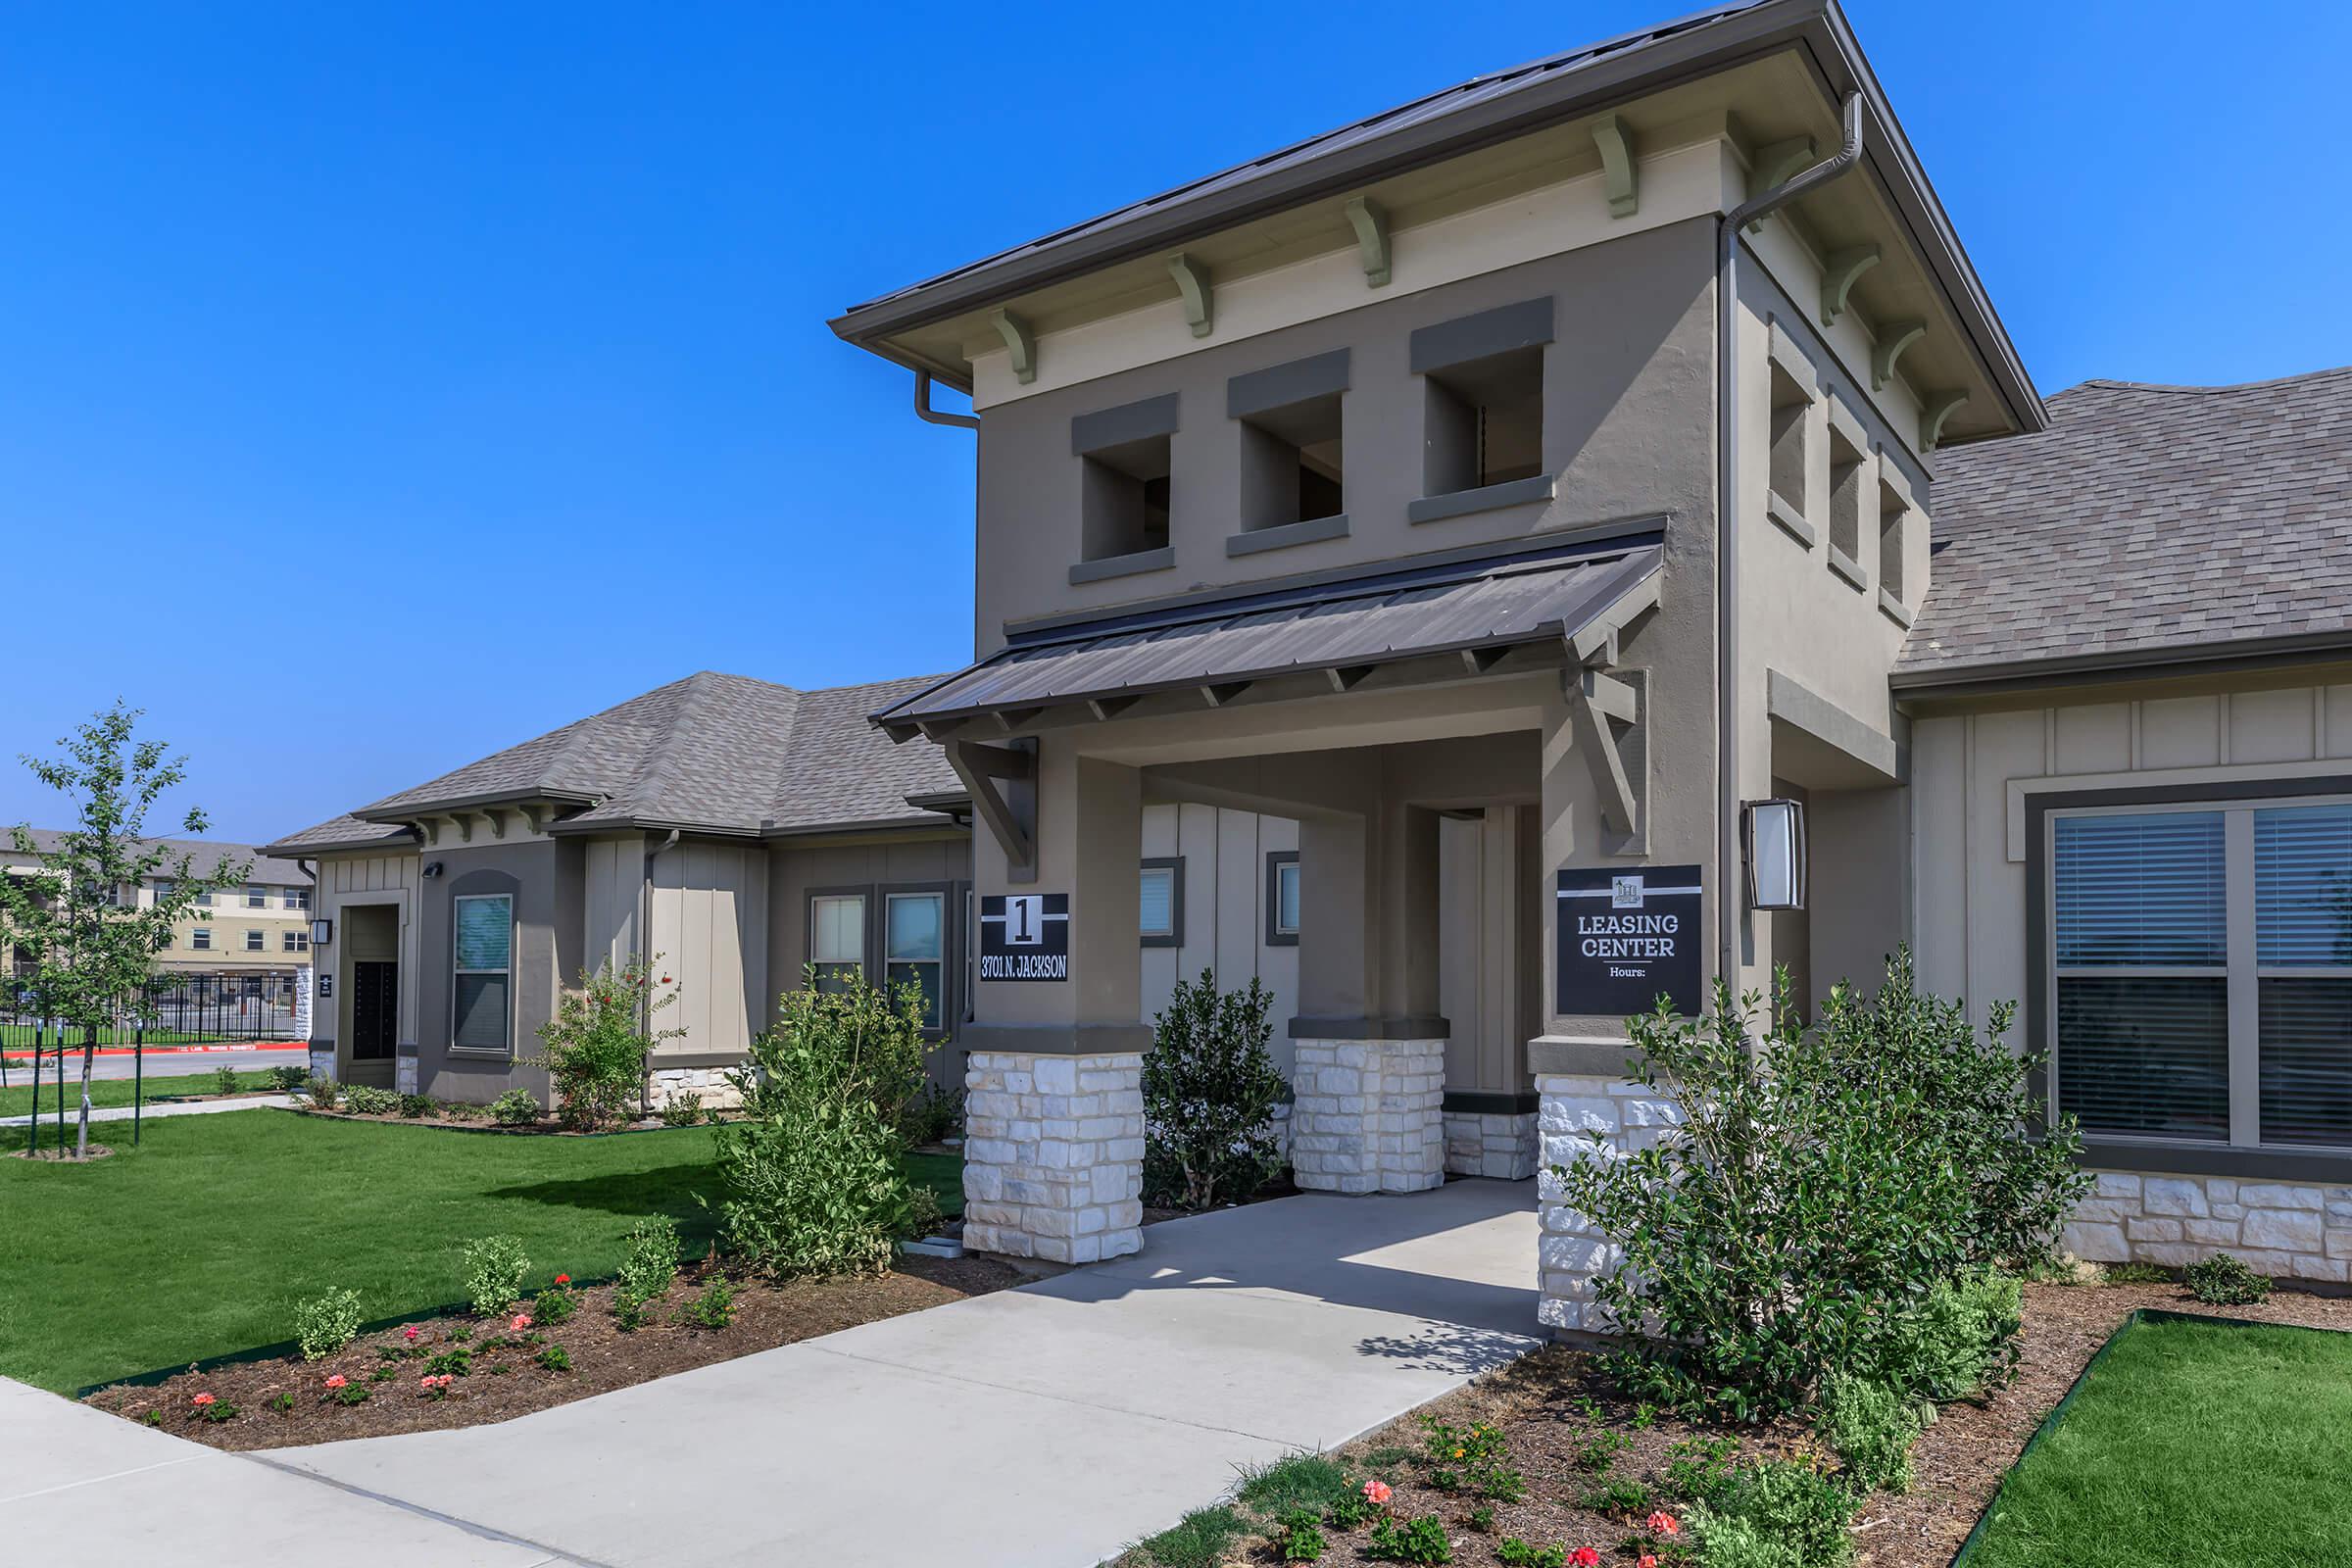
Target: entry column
1370, 1068
1054, 1111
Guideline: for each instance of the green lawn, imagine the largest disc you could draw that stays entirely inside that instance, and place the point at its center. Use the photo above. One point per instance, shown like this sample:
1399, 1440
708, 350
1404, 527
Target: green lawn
17, 1098
202, 1241
2190, 1443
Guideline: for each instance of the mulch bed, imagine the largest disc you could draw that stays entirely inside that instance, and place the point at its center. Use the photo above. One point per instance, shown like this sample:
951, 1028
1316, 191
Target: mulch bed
506, 1378
478, 1121
1553, 1402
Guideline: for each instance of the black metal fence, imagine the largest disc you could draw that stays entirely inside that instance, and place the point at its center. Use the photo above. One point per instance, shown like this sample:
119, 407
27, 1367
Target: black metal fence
181, 1008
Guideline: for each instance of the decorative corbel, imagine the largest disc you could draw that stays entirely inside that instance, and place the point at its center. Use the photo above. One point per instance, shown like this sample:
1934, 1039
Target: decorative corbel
1371, 225
1347, 677
1110, 708
1894, 338
464, 827
1775, 164
1192, 283
428, 830
1618, 179
1220, 694
498, 822
1837, 275
1598, 703
1003, 782
536, 816
1940, 408
1017, 338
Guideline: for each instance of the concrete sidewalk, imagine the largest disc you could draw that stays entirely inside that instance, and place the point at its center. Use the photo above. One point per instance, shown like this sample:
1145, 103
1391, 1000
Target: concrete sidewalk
190, 1107
79, 1486
1044, 1426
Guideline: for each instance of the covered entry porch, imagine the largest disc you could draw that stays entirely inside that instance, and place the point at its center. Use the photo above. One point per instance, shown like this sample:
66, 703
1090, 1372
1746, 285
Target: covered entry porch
1440, 737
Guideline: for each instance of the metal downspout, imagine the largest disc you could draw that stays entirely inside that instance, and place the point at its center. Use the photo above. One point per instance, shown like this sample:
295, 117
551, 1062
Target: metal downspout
1729, 899
925, 411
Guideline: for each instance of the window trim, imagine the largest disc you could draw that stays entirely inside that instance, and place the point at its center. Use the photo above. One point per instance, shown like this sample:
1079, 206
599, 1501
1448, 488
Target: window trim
955, 964
2279, 1161
944, 893
255, 940
200, 939
1276, 935
864, 893
1173, 937
504, 1053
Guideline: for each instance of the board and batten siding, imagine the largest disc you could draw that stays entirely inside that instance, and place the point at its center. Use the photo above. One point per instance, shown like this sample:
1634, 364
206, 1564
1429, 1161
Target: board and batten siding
708, 907
1224, 854
1972, 774
612, 897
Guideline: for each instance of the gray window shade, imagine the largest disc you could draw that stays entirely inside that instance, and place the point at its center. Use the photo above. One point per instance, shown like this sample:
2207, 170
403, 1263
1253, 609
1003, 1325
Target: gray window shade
2303, 886
482, 1012
484, 943
1159, 899
2142, 890
485, 932
916, 941
2145, 1055
2305, 1060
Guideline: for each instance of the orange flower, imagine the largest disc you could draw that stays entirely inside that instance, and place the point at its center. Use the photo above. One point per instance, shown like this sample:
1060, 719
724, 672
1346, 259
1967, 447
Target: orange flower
1665, 1523
1378, 1493
200, 1401
335, 1382
1650, 1559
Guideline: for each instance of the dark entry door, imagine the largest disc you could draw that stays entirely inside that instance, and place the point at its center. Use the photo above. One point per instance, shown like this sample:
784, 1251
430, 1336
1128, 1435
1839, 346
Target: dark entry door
374, 1008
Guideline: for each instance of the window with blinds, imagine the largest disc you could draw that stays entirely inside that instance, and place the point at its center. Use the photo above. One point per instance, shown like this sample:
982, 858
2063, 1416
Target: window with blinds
2303, 953
915, 948
2141, 941
484, 963
836, 940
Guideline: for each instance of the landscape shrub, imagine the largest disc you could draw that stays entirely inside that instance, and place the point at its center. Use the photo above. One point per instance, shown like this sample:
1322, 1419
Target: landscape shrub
1826, 1182
1421, 1540
516, 1107
321, 1090
1197, 1541
684, 1109
325, 1324
1871, 1426
713, 1306
224, 1080
494, 1270
366, 1100
1308, 1481
558, 1302
814, 1173
288, 1080
1961, 1339
1210, 1088
597, 1044
1776, 1515
1300, 1537
2224, 1280
415, 1105
935, 1114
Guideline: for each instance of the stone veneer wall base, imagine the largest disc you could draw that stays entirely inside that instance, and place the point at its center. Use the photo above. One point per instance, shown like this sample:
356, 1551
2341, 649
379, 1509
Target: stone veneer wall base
1054, 1156
1367, 1115
716, 1089
1501, 1145
322, 1063
1611, 1118
2287, 1230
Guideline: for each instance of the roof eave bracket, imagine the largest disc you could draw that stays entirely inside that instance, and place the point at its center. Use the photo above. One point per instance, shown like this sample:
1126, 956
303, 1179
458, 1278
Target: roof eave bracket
1200, 301
1773, 166
1002, 783
1019, 341
1837, 275
1618, 176
1371, 225
1941, 406
1894, 338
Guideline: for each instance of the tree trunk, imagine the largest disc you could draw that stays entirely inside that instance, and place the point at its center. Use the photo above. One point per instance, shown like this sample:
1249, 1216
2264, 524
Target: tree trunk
89, 1056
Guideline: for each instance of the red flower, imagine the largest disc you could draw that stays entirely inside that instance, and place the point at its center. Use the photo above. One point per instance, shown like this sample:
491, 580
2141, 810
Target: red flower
1665, 1523
336, 1381
1377, 1492
200, 1401
1650, 1559
665, 980
1584, 1558
563, 1279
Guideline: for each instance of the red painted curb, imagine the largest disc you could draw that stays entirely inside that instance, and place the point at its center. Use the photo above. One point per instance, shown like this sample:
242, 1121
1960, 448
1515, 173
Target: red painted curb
72, 1050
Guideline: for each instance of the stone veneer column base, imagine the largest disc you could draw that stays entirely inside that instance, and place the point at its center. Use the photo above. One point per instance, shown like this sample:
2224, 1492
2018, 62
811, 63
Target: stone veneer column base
1501, 1146
322, 1063
2287, 1230
404, 1071
1573, 1108
1054, 1154
1367, 1117
718, 1092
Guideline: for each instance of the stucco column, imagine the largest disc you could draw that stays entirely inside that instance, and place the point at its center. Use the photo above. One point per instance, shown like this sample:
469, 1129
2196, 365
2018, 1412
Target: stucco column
1053, 1115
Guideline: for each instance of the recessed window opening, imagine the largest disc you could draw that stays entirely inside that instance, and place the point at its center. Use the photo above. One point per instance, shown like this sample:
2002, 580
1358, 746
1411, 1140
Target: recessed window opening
1290, 465
1893, 520
1125, 506
1848, 475
1484, 422
1791, 411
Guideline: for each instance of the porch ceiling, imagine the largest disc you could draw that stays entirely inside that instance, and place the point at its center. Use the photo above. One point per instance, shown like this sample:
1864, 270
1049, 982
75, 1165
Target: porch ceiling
1478, 610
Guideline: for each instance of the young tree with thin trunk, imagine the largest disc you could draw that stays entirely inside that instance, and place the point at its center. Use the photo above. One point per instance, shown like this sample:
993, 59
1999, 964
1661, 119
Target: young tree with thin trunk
77, 917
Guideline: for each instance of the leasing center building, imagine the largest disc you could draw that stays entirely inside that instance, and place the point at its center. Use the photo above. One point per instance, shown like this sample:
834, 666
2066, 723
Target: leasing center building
1599, 501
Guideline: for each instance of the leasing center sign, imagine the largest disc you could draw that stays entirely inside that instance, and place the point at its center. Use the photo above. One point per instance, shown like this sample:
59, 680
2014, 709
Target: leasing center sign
1626, 936
1026, 936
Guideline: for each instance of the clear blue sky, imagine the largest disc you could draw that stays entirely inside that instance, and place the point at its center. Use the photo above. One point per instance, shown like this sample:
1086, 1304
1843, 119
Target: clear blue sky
383, 386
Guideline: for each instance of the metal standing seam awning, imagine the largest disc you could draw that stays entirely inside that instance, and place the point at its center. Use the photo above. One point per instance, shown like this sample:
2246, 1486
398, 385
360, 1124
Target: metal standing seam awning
1478, 610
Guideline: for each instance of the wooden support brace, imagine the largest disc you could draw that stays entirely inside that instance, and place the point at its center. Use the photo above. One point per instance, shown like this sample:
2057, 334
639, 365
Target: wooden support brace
1219, 694
1478, 661
1017, 338
1002, 783
1618, 178
1347, 677
1192, 283
1011, 719
1596, 702
1941, 406
1371, 225
1837, 275
1109, 707
1894, 338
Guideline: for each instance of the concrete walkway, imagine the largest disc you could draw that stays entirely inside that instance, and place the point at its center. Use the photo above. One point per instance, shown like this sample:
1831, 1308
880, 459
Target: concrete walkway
1044, 1426
190, 1107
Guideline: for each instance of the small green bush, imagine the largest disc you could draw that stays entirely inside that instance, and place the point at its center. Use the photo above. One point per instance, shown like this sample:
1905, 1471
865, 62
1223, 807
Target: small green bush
224, 1080
1776, 1515
455, 1362
935, 1114
713, 1306
555, 1358
324, 1325
555, 1305
2136, 1274
1421, 1540
1209, 1090
1197, 1541
366, 1100
415, 1105
815, 1172
598, 1042
1301, 1536
1871, 1427
2222, 1280
288, 1080
654, 1251
516, 1107
682, 1110
322, 1092
1513, 1553
1960, 1339
494, 1269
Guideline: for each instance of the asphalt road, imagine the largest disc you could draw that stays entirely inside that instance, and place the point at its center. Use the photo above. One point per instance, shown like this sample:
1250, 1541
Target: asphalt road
165, 1064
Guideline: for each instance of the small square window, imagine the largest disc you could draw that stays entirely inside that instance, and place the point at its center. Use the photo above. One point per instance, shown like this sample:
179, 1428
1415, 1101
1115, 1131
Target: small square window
1161, 901
201, 939
256, 942
204, 899
1125, 504
257, 899
1483, 423
298, 897
297, 942
1791, 417
1282, 898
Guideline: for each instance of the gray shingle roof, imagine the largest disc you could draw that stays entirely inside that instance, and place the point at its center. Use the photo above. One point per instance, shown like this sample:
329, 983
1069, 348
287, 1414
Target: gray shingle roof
346, 832
205, 856
2146, 521
719, 753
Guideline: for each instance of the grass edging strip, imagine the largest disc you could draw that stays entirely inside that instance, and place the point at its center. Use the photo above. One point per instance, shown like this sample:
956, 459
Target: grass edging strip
2049, 1422
421, 1124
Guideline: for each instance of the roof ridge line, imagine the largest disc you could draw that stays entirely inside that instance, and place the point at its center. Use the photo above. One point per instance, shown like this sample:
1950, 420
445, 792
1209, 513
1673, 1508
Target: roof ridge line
2224, 386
